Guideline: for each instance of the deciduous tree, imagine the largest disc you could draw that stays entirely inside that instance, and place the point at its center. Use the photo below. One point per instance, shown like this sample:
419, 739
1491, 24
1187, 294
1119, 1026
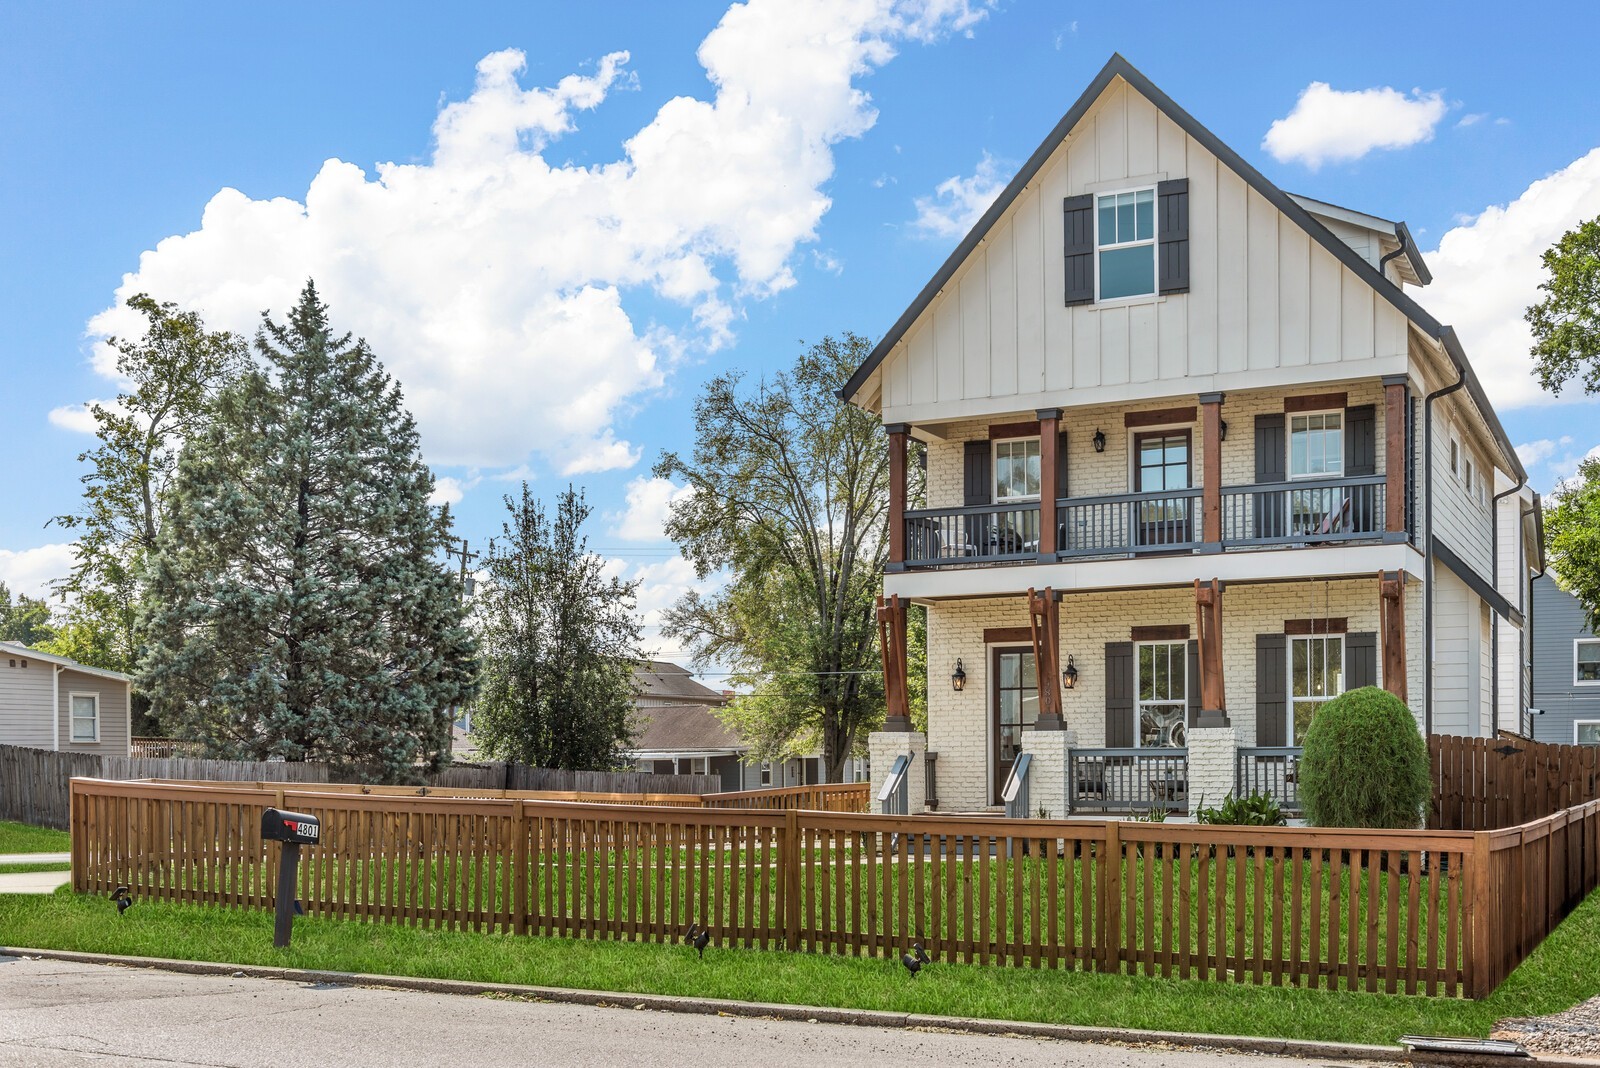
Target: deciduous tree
1572, 537
1566, 323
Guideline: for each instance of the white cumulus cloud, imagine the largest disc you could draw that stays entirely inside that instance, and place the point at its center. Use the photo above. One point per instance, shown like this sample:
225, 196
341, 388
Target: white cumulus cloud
31, 571
1329, 125
959, 202
495, 282
1486, 272
649, 503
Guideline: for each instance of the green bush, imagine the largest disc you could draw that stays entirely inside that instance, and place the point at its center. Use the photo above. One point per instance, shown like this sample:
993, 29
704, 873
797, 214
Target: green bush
1365, 763
1255, 810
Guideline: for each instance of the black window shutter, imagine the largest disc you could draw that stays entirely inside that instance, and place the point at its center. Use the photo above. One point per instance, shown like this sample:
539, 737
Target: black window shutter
1271, 509
978, 483
1078, 214
1272, 689
1061, 465
1361, 458
1193, 681
1119, 695
1172, 236
1360, 660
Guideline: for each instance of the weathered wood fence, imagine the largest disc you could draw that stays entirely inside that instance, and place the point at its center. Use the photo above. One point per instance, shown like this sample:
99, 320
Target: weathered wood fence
1431, 912
1485, 784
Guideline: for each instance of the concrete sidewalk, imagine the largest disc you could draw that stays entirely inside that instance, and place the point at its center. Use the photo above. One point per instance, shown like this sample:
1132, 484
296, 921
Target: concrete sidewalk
33, 882
35, 858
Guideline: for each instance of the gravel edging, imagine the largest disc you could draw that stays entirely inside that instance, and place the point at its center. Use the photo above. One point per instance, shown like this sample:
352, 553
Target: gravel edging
1282, 1047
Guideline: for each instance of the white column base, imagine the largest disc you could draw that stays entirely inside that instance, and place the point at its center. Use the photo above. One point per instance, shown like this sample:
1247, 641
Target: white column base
1212, 752
883, 747
1047, 777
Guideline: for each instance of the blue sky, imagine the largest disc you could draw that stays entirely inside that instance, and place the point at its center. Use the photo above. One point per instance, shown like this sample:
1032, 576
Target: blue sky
570, 241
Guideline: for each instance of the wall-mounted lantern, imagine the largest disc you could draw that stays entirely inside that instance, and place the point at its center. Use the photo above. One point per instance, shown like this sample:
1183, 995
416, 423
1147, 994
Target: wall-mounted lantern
1223, 426
958, 677
1099, 440
1069, 676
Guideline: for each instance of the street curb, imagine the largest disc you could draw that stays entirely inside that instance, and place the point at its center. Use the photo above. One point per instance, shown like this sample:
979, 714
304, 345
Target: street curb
1281, 1047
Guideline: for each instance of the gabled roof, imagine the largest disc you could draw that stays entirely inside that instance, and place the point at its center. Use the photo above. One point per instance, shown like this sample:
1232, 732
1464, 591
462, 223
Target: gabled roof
661, 680
684, 729
1118, 67
19, 650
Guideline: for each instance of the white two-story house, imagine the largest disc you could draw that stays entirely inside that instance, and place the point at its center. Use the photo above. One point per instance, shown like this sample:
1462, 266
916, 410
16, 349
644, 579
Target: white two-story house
1196, 461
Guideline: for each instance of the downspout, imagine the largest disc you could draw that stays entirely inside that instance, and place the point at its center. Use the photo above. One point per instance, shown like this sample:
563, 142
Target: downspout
1527, 611
1382, 262
1494, 638
55, 707
1427, 525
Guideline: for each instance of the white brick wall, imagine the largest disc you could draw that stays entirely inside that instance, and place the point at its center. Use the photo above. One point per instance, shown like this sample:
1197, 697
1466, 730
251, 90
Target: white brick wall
1211, 765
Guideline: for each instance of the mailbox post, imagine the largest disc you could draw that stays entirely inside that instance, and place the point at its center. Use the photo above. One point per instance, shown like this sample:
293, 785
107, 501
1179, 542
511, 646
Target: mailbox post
293, 830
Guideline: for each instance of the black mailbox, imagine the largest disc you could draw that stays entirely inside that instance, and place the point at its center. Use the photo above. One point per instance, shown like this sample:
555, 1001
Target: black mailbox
296, 828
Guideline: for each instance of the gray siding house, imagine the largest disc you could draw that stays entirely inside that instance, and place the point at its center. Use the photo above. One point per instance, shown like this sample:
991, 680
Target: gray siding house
1566, 669
91, 705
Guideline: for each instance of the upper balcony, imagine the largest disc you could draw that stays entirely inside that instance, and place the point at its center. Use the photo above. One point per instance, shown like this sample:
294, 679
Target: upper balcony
1189, 482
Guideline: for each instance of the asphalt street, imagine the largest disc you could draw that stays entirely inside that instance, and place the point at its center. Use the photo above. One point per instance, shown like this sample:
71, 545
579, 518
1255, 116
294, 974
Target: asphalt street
55, 1014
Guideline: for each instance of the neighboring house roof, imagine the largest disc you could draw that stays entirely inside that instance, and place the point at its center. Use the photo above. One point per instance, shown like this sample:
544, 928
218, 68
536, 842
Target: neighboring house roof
660, 680
18, 649
684, 729
1118, 67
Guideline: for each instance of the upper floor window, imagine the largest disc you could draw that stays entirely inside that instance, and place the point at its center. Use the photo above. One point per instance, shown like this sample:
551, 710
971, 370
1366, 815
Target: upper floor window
1316, 445
1016, 469
1455, 457
1126, 239
1586, 661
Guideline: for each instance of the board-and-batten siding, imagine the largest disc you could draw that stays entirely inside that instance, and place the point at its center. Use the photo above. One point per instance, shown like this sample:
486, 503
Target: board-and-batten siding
1557, 623
24, 699
1457, 657
1262, 295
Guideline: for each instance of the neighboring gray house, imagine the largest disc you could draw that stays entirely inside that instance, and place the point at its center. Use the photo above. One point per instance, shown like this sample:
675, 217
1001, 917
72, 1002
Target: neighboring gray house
1566, 668
91, 704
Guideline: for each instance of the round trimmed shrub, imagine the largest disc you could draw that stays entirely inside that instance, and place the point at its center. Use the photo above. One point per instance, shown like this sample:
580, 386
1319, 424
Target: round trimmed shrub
1365, 763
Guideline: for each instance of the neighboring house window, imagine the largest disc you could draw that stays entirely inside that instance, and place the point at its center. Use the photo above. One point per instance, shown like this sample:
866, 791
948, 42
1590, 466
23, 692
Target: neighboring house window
766, 773
1126, 236
1316, 674
1586, 732
85, 717
1163, 693
1316, 445
1586, 661
1016, 469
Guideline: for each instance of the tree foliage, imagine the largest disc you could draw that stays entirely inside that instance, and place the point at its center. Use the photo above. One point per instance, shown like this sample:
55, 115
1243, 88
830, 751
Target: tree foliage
1566, 323
1572, 537
559, 642
1365, 763
298, 606
790, 495
24, 619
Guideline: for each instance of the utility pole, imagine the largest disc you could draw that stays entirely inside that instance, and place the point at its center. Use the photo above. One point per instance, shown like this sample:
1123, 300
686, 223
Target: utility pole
466, 556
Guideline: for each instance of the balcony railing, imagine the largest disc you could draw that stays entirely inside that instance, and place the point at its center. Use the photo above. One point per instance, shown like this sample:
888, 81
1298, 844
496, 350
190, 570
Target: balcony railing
1128, 780
1128, 523
975, 534
1270, 770
1303, 512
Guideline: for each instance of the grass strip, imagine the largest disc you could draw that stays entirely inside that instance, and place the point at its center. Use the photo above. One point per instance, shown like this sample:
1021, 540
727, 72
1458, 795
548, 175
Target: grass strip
23, 838
1559, 974
23, 869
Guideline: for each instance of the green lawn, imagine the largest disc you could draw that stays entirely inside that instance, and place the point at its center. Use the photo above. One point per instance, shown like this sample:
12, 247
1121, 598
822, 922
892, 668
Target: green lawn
21, 838
1558, 975
20, 869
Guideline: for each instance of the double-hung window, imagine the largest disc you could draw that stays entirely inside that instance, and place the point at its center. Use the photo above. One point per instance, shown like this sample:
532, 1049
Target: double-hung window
85, 717
1586, 662
1016, 470
1316, 450
1316, 675
1125, 236
1163, 696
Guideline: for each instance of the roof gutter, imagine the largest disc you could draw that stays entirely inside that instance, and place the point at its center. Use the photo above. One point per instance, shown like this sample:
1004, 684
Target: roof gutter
1427, 525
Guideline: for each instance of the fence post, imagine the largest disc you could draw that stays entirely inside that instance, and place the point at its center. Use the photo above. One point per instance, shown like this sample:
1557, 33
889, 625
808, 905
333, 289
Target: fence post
77, 835
1111, 875
519, 868
789, 871
1481, 962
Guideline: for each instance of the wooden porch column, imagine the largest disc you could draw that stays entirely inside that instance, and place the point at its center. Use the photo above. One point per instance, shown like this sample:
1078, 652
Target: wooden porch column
1208, 629
1044, 620
892, 644
1392, 630
898, 433
1211, 472
1049, 479
1394, 457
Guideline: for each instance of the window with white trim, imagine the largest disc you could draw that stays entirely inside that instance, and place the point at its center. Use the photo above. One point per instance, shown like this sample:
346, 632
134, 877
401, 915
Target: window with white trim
1316, 675
1016, 469
1586, 732
1586, 662
766, 773
1316, 444
85, 716
1163, 697
1455, 456
1125, 239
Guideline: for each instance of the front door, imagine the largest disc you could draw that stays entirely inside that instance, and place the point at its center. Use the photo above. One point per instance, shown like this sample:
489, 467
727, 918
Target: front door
1016, 706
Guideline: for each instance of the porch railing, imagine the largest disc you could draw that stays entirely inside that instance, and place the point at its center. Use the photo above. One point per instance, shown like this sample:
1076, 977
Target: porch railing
1271, 770
1128, 780
1161, 521
1303, 512
982, 533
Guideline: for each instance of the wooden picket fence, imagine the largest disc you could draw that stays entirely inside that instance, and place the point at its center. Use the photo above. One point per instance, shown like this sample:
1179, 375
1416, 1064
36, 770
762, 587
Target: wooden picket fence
820, 797
1485, 784
1430, 912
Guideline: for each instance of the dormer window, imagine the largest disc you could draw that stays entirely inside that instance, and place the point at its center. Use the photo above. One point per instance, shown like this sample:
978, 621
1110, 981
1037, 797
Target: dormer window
1125, 235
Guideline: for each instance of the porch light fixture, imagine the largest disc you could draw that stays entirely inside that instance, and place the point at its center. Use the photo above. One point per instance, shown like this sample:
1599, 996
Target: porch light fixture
1099, 440
958, 677
1069, 677
1223, 426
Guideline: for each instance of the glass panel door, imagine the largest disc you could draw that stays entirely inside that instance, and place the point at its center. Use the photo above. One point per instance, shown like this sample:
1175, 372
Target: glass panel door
1016, 706
1162, 464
